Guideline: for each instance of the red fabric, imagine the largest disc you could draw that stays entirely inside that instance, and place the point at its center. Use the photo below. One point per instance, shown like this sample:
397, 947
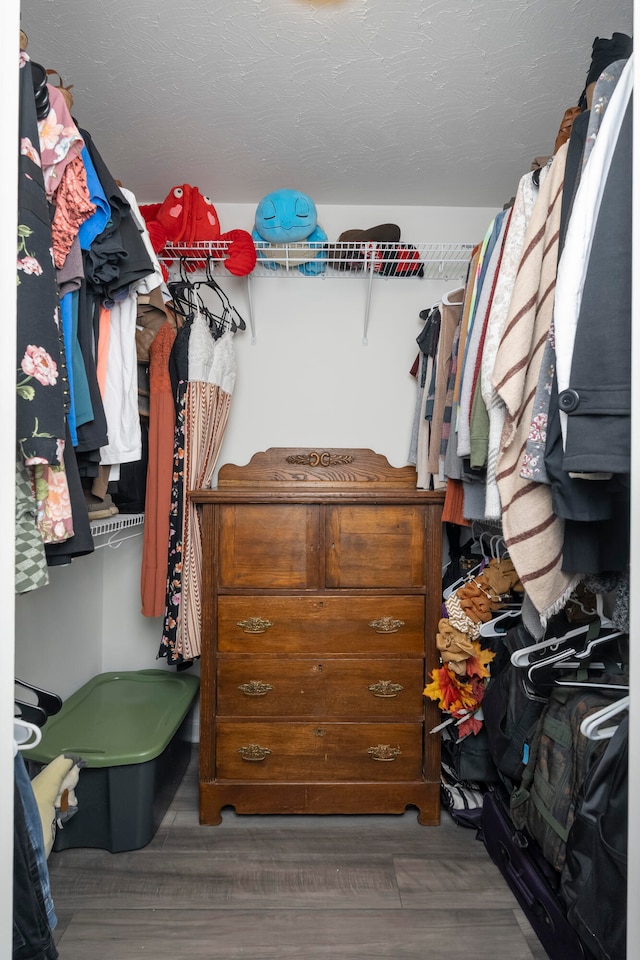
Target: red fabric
452, 511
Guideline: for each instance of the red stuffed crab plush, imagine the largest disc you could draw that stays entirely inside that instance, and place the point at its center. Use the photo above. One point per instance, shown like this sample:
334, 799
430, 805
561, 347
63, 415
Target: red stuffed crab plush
185, 216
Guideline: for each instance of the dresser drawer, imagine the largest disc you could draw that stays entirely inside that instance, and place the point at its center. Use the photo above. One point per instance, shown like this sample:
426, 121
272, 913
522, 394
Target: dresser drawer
339, 688
375, 546
256, 751
371, 626
270, 546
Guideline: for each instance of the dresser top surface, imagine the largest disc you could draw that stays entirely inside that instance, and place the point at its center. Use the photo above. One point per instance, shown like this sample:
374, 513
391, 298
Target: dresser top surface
316, 475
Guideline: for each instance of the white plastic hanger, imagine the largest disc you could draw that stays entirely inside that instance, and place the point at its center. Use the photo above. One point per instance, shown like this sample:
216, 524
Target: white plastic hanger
23, 732
593, 727
596, 642
568, 653
591, 683
520, 658
446, 593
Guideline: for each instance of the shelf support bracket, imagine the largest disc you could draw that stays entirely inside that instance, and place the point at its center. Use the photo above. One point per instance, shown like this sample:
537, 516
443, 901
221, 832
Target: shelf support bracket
252, 323
367, 309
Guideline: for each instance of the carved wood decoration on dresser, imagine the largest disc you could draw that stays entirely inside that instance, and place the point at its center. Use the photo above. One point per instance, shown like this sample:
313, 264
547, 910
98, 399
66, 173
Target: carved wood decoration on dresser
321, 599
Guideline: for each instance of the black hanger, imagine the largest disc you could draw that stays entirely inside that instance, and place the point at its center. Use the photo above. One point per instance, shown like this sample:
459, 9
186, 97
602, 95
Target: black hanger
49, 703
230, 316
187, 302
40, 90
31, 713
183, 295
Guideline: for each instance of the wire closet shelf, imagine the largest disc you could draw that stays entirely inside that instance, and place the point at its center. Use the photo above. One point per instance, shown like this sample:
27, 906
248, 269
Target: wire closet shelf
121, 521
447, 262
429, 261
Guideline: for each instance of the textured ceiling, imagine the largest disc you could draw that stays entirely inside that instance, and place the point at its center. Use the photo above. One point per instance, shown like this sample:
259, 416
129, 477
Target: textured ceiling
425, 102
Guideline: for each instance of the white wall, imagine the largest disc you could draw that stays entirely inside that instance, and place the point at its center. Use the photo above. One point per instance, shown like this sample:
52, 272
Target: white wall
87, 620
308, 380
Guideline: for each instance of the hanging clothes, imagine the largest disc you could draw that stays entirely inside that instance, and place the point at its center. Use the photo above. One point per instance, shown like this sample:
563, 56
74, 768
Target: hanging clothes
450, 313
206, 404
30, 561
476, 342
32, 935
524, 202
576, 264
153, 578
425, 362
41, 387
532, 533
179, 376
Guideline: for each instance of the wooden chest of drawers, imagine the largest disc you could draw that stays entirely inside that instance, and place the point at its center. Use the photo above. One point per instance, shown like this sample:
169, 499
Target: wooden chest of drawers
321, 598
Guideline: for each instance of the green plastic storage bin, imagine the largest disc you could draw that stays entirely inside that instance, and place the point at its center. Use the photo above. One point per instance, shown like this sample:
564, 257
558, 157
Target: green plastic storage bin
130, 727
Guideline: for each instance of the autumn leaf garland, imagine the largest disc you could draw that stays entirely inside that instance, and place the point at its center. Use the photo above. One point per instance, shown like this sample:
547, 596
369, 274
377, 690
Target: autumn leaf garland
458, 685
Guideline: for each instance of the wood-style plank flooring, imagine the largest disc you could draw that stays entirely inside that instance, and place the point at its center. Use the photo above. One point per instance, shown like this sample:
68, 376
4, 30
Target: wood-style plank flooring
289, 888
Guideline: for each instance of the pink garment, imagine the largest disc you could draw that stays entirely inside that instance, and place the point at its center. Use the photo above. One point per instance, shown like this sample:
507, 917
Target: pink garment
60, 140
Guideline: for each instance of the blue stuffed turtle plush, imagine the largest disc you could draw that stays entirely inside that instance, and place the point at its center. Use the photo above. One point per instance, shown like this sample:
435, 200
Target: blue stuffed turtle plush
289, 217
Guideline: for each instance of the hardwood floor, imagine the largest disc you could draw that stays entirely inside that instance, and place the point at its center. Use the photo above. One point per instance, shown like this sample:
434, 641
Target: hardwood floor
289, 888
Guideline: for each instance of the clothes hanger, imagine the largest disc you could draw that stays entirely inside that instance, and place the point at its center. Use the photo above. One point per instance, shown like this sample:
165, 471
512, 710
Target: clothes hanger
218, 322
32, 713
187, 302
446, 593
236, 321
452, 587
49, 702
183, 294
521, 658
565, 655
26, 735
489, 552
591, 683
592, 726
40, 90
586, 652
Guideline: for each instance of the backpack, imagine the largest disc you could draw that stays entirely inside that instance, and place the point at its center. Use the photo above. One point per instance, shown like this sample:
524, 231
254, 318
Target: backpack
594, 878
559, 759
511, 707
469, 757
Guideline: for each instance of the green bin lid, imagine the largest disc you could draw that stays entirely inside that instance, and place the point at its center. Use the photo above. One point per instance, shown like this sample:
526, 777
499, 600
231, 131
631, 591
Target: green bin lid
119, 718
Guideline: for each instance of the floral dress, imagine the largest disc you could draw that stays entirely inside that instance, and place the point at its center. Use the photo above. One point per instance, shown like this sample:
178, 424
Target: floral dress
41, 383
41, 377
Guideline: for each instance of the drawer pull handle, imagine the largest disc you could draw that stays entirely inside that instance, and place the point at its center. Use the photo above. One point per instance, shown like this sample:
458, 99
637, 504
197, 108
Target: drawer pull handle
386, 689
254, 752
254, 625
386, 625
384, 752
255, 688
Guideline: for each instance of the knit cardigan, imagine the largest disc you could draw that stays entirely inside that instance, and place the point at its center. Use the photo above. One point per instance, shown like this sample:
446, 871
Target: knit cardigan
533, 534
